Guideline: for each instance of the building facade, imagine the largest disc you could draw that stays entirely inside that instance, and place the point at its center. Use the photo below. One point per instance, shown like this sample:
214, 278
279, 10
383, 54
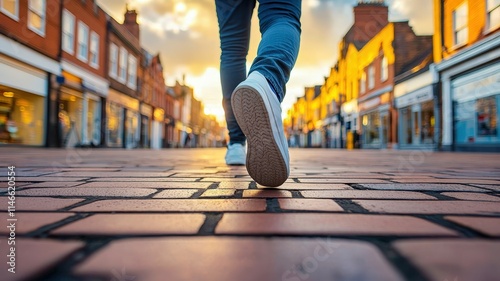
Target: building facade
82, 86
123, 112
153, 101
466, 52
29, 51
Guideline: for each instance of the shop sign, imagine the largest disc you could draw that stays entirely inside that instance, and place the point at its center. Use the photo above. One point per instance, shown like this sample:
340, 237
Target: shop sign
369, 104
123, 100
478, 89
418, 96
146, 110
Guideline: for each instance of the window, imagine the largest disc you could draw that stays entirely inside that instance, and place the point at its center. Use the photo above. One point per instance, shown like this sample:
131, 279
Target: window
460, 28
132, 70
371, 77
94, 50
83, 42
362, 82
36, 16
122, 75
68, 39
486, 117
493, 17
384, 71
113, 60
10, 8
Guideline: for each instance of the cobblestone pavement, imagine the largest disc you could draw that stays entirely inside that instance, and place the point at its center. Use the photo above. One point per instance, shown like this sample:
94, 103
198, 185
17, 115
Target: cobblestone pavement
176, 215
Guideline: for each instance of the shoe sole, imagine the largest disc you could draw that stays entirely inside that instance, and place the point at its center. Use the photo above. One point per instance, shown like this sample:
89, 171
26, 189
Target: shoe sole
265, 162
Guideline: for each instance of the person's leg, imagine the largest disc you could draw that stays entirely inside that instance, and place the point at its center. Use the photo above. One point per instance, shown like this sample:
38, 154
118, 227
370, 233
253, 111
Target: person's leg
234, 17
280, 26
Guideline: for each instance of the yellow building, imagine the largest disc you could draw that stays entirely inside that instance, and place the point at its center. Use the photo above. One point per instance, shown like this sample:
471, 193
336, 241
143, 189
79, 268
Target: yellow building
467, 52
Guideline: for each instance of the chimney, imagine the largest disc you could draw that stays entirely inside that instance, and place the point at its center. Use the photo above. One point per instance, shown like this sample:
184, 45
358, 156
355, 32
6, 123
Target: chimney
370, 17
130, 22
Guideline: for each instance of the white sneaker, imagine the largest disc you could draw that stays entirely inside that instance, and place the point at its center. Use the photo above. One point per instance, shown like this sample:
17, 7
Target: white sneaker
235, 154
258, 112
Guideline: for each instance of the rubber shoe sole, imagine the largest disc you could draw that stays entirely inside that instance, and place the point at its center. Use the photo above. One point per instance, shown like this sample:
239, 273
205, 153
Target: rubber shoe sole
265, 162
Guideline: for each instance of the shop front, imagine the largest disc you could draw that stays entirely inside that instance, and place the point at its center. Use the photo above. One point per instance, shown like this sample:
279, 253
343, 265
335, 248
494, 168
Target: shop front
476, 100
348, 126
157, 128
470, 90
23, 97
80, 98
122, 128
146, 115
375, 116
416, 119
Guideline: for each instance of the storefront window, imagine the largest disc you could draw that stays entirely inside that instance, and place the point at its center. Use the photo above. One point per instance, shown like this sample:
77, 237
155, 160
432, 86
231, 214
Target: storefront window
70, 119
486, 117
94, 122
371, 123
406, 131
115, 124
132, 130
21, 118
428, 122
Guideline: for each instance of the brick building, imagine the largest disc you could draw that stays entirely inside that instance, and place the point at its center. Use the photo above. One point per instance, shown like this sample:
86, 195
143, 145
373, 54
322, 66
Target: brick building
83, 85
122, 105
388, 54
153, 100
466, 52
29, 51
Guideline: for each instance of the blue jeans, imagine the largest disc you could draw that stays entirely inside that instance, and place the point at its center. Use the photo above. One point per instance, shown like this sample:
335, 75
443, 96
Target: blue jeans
279, 22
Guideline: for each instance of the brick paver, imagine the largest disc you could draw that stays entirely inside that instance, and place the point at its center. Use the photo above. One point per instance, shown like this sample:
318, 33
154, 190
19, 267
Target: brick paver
134, 224
27, 222
485, 225
328, 224
34, 257
362, 215
251, 259
430, 207
472, 196
300, 204
454, 259
365, 194
85, 192
174, 205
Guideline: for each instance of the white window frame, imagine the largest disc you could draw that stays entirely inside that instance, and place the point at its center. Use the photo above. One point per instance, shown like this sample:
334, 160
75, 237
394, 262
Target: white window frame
384, 69
94, 50
43, 17
371, 77
362, 82
132, 72
113, 61
66, 17
464, 27
83, 27
122, 65
490, 8
8, 13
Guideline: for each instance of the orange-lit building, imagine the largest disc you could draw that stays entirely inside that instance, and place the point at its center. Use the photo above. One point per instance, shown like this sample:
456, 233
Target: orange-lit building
467, 52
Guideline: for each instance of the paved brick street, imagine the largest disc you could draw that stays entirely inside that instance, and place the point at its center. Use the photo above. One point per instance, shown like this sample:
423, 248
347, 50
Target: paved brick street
175, 215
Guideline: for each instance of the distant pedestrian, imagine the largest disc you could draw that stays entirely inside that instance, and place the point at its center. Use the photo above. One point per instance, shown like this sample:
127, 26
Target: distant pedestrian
252, 103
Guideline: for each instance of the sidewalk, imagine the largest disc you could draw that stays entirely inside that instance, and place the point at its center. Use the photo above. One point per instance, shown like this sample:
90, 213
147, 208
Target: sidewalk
175, 215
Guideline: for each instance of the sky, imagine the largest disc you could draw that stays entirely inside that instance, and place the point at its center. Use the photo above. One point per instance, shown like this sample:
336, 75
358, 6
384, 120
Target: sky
185, 33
